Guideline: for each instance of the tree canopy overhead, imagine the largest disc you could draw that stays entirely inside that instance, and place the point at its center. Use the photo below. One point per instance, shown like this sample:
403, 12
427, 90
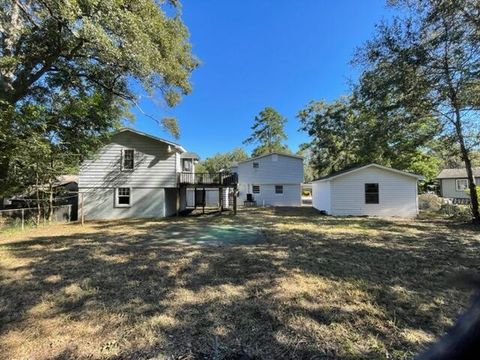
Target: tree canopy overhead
79, 65
418, 95
428, 60
345, 133
50, 47
222, 161
268, 133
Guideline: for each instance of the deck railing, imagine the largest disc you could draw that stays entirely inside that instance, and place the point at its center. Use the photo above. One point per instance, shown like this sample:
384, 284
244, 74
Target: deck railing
221, 178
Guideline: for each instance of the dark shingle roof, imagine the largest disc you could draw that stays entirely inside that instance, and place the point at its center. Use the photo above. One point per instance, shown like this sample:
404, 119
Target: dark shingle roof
457, 173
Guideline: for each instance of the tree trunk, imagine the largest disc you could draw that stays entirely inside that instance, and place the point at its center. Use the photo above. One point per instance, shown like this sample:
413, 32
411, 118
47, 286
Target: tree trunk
468, 167
459, 132
471, 183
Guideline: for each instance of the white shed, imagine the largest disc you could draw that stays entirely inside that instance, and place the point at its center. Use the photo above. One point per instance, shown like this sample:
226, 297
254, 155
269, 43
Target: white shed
367, 190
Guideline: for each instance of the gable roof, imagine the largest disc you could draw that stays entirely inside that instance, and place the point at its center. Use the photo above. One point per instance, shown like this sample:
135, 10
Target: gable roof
272, 153
141, 133
457, 173
361, 167
189, 155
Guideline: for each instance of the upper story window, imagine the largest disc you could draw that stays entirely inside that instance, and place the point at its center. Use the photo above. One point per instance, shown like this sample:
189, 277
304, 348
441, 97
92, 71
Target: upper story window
256, 189
187, 165
371, 193
461, 184
128, 159
256, 165
278, 189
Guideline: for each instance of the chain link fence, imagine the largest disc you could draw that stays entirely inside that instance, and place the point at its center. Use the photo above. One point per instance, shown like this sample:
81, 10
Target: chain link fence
27, 217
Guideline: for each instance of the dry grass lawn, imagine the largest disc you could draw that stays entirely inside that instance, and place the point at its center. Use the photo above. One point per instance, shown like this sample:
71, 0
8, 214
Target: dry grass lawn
314, 288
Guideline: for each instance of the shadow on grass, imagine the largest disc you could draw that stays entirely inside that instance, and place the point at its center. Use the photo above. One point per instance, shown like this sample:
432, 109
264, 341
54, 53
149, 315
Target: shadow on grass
300, 293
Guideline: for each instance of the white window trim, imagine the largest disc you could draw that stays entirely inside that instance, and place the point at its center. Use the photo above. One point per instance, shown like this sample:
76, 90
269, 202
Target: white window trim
116, 197
275, 190
457, 187
123, 156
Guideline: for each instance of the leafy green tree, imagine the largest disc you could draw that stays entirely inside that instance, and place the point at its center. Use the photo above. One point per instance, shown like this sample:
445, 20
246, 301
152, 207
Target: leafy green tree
345, 133
50, 143
333, 132
57, 55
268, 133
428, 59
309, 172
222, 161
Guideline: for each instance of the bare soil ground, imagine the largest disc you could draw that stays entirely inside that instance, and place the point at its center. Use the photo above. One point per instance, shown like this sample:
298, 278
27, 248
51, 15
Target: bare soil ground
309, 287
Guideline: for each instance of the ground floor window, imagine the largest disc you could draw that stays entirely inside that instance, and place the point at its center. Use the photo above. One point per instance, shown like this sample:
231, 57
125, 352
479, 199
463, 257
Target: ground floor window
123, 197
278, 189
461, 184
371, 193
256, 189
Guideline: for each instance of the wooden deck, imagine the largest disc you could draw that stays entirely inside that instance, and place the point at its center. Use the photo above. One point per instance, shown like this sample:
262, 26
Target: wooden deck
206, 180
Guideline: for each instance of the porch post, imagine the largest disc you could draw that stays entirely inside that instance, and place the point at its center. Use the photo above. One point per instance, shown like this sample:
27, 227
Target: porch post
177, 206
220, 199
235, 200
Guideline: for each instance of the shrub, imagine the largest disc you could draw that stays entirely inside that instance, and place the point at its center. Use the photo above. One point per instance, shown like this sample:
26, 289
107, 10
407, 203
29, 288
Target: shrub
460, 212
430, 202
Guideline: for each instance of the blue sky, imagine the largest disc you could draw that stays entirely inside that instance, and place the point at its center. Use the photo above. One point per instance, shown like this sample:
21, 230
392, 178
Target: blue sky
257, 53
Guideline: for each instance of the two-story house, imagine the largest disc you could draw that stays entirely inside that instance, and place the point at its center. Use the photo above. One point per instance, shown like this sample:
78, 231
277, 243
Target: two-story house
272, 179
135, 175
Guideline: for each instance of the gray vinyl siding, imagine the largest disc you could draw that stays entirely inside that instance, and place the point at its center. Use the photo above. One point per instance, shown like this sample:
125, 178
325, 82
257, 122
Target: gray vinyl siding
291, 195
286, 170
99, 204
155, 166
449, 189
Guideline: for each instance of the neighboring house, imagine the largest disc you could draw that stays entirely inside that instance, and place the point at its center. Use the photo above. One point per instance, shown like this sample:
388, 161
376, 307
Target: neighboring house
67, 193
135, 175
272, 179
367, 190
454, 183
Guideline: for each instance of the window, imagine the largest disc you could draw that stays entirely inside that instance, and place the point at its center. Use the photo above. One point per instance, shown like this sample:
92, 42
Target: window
255, 165
128, 159
371, 193
256, 189
123, 197
187, 165
461, 184
278, 189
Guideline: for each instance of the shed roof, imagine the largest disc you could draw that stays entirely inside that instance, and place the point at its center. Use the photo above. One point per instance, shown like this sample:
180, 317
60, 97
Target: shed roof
457, 173
360, 167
